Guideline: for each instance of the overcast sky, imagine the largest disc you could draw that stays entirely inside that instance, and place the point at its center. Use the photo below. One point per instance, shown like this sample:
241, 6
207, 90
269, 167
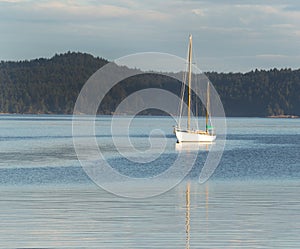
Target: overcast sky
235, 36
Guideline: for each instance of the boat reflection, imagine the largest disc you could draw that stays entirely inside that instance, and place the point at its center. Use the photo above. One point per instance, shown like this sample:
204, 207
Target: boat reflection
194, 146
206, 200
188, 211
187, 215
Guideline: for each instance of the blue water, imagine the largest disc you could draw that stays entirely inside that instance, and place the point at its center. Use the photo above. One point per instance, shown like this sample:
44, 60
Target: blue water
48, 201
39, 149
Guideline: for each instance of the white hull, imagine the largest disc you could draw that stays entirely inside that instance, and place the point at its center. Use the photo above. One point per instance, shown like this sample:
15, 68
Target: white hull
193, 136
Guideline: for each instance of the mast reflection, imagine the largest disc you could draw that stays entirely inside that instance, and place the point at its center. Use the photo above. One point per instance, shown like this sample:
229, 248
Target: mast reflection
187, 215
188, 210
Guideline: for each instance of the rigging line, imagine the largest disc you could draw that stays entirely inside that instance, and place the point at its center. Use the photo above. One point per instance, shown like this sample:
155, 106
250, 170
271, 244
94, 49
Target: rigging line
209, 111
182, 97
207, 108
196, 101
189, 81
197, 81
183, 85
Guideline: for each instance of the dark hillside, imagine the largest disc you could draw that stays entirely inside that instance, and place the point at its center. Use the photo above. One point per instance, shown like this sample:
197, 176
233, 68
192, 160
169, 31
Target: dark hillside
52, 86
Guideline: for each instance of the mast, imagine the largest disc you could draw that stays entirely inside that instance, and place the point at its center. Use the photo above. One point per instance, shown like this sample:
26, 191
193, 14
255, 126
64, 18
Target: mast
189, 83
207, 107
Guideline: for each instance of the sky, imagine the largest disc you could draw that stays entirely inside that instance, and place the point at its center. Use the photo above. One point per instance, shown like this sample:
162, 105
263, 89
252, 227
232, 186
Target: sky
228, 36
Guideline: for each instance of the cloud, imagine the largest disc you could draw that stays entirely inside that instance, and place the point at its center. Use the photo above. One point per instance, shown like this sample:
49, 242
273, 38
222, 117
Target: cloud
113, 28
10, 1
296, 33
271, 56
63, 10
199, 12
103, 11
266, 9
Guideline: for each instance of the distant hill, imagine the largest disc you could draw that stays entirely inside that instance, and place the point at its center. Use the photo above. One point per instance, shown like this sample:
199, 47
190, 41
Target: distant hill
259, 93
52, 86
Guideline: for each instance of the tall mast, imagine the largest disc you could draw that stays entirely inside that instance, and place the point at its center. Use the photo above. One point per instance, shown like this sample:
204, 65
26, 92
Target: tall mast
189, 83
207, 107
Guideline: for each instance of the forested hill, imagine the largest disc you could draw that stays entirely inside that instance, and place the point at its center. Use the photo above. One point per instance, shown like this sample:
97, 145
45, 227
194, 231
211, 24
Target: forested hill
45, 85
52, 86
259, 93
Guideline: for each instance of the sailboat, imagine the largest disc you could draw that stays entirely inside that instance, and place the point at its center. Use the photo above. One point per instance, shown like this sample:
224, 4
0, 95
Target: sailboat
189, 134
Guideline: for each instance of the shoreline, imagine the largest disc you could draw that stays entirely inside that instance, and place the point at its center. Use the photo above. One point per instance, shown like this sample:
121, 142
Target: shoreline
125, 114
283, 116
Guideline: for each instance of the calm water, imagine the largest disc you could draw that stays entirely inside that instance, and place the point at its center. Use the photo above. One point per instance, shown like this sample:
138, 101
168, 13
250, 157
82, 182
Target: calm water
47, 200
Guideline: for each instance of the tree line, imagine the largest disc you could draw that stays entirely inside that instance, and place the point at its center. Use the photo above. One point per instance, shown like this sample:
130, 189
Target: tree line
52, 86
